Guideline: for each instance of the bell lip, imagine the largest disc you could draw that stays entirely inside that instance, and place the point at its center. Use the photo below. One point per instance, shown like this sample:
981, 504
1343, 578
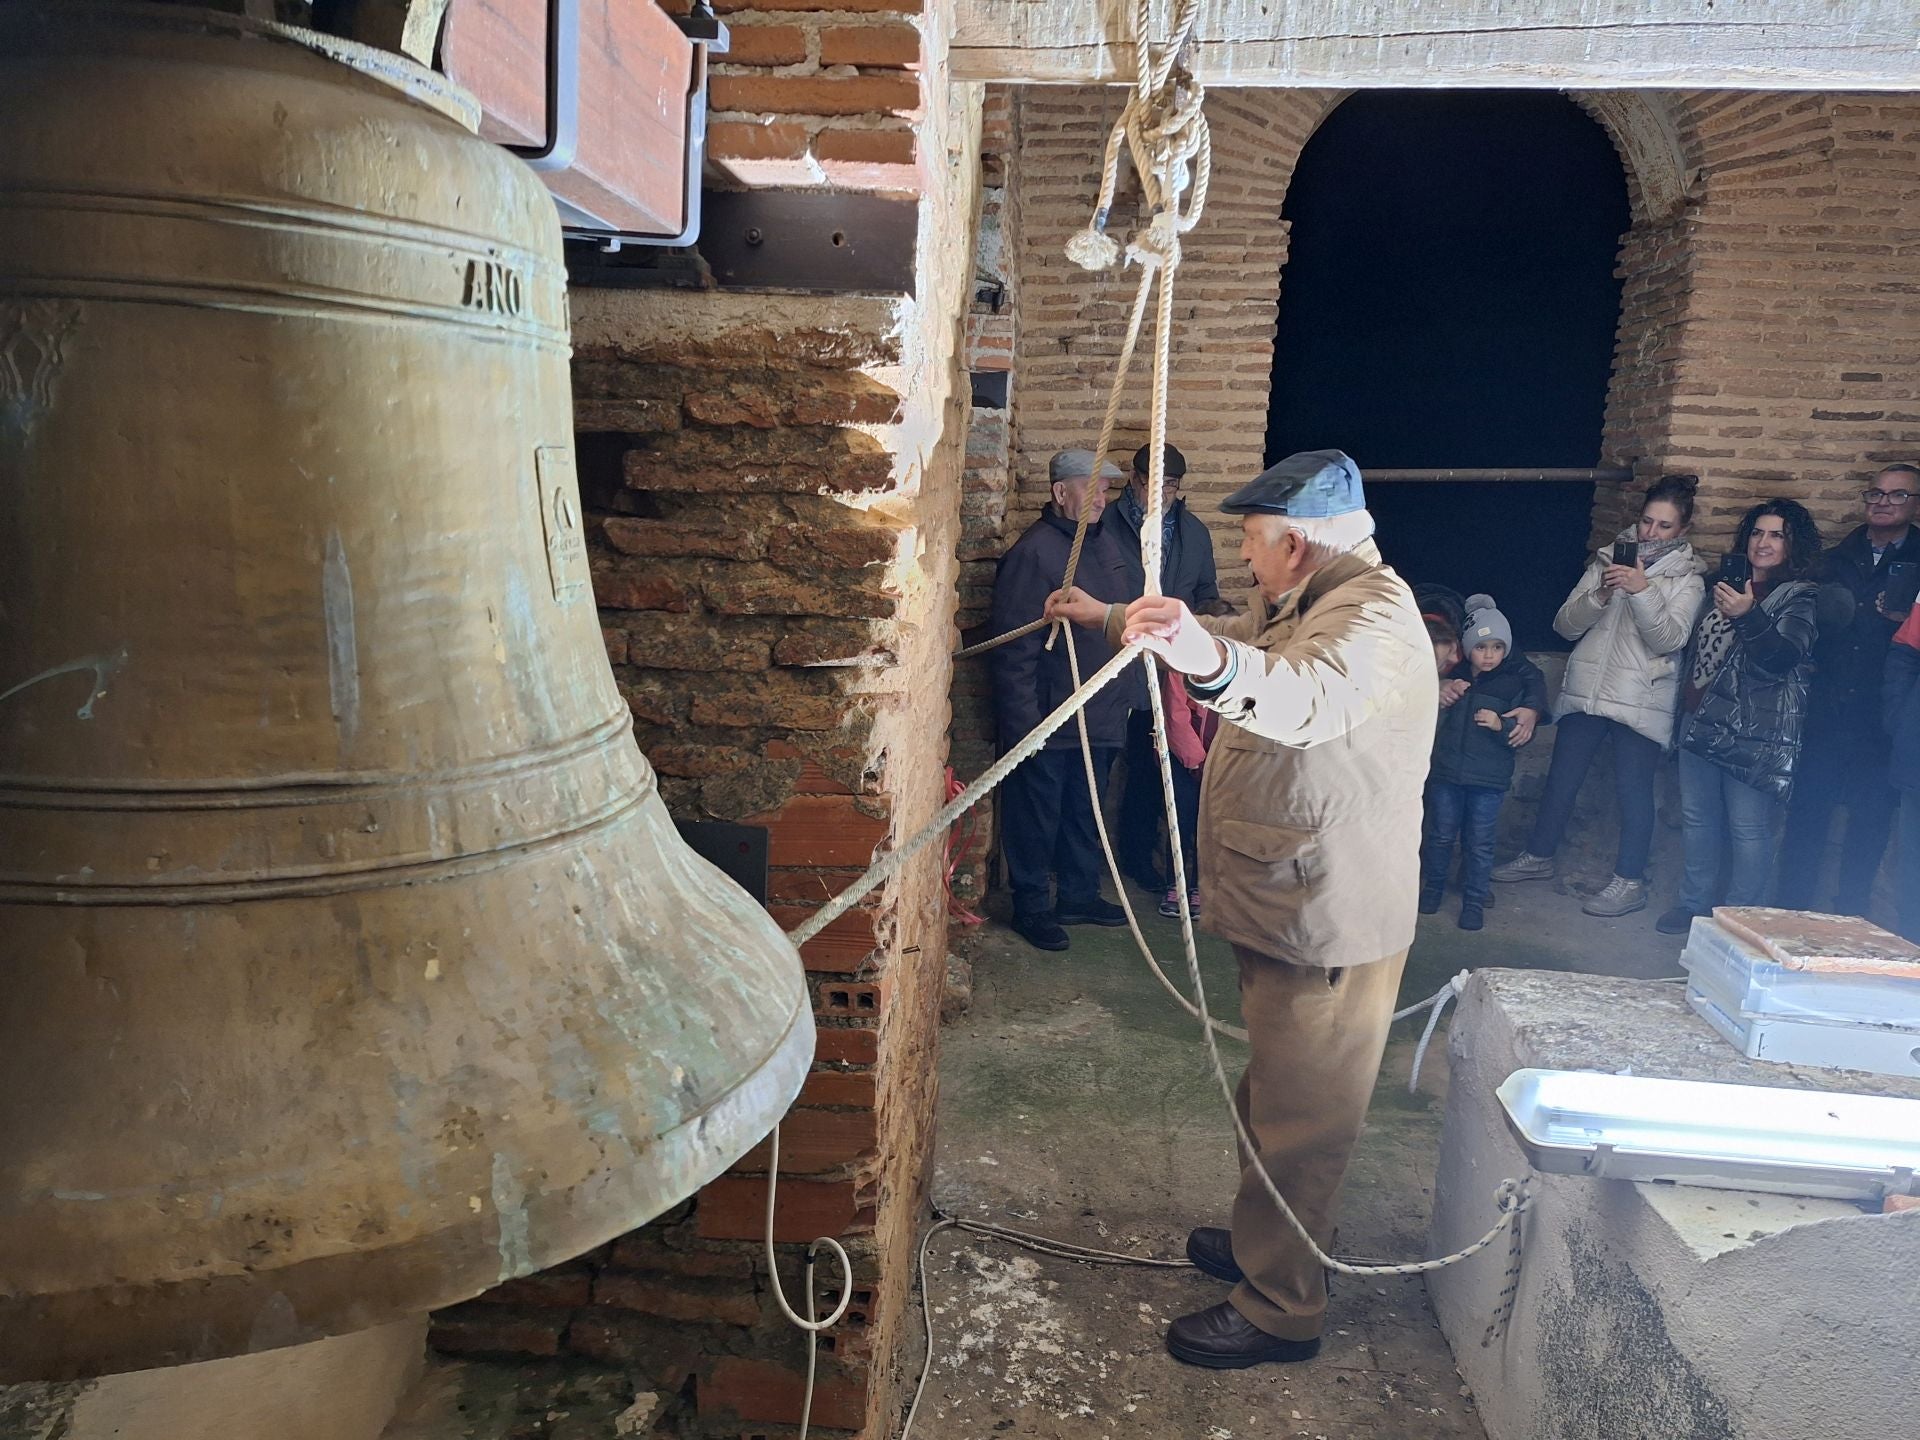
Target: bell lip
222, 1316
412, 79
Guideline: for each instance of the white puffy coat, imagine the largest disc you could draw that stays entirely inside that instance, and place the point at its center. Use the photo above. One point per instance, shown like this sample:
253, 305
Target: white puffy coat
1626, 660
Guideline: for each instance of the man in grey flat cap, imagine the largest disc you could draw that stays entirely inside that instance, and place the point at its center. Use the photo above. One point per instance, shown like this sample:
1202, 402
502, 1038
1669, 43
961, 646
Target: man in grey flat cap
1310, 840
1046, 813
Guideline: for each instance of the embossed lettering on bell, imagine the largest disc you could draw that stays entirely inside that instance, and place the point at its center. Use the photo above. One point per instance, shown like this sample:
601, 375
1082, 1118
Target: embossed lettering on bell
351, 963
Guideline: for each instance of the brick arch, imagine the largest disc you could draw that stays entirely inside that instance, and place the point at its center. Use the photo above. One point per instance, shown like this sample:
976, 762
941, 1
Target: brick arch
1229, 286
1646, 130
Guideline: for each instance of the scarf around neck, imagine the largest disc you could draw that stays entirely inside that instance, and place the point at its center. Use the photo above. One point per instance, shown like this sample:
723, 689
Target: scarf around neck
1652, 552
1136, 514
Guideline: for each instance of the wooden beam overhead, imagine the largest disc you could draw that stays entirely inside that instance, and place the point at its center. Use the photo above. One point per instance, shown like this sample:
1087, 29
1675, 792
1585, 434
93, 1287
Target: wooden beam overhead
1557, 44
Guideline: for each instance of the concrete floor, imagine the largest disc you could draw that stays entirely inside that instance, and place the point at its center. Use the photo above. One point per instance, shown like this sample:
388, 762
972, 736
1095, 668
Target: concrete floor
1076, 1102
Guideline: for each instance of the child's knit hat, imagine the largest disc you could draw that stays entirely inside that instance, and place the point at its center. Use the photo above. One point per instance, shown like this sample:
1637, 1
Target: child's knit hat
1484, 623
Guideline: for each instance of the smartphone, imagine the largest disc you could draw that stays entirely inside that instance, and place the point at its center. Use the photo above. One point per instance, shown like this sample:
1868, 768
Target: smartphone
1902, 587
1736, 570
1626, 552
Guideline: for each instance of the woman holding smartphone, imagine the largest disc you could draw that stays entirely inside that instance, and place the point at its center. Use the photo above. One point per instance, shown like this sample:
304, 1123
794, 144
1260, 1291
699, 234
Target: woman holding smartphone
1630, 614
1742, 705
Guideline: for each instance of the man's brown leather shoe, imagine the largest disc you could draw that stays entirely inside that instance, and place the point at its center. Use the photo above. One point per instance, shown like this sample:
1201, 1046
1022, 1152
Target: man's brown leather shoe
1221, 1338
1210, 1248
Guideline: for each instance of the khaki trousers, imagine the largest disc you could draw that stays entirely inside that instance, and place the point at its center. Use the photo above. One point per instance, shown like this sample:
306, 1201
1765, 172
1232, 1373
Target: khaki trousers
1317, 1038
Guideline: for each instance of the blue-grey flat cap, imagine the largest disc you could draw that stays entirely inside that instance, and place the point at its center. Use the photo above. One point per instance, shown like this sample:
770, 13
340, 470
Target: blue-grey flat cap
1077, 464
1312, 485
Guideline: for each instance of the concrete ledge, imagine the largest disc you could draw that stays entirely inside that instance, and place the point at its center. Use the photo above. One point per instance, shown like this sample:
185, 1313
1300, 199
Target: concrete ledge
1655, 1310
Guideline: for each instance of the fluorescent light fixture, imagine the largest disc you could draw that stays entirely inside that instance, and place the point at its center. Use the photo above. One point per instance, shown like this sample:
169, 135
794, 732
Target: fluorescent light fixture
1727, 1137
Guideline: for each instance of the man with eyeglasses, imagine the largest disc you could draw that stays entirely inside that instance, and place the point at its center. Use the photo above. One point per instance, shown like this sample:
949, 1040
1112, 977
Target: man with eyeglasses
1844, 758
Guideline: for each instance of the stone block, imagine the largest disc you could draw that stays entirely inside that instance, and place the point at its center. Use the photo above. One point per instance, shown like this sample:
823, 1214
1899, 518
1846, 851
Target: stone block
1659, 1310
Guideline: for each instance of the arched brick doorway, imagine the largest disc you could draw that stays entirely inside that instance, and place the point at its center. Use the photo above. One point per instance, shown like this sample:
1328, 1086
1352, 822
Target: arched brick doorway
1450, 303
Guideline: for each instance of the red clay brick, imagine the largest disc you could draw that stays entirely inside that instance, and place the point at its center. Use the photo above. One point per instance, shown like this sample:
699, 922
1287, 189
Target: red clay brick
772, 1394
884, 46
868, 159
813, 781
841, 947
838, 1087
734, 1207
641, 1251
766, 45
669, 538
498, 1330
624, 590
815, 1141
822, 830
853, 999
557, 1289
736, 140
855, 545
817, 94
847, 1045
698, 1302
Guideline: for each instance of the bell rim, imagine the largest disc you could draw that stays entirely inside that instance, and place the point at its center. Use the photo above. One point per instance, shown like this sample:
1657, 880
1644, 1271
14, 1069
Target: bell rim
215, 1317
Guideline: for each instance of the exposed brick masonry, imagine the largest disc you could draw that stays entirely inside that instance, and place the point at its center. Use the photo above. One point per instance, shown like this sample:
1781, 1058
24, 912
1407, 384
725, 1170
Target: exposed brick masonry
1777, 316
818, 93
772, 488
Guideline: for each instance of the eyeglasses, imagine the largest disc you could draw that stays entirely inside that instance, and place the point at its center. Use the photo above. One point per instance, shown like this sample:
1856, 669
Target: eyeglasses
1886, 497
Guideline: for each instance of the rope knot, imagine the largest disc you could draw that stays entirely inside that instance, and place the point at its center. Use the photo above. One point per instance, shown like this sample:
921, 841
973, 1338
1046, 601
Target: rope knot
1159, 243
1514, 1197
1093, 249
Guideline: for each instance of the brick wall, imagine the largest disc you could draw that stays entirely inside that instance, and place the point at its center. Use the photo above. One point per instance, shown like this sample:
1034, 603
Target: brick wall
819, 93
1072, 322
772, 483
1776, 314
1770, 296
988, 481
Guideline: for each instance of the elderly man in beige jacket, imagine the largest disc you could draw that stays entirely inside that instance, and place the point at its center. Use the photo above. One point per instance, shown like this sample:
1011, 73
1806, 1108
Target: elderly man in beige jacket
1309, 839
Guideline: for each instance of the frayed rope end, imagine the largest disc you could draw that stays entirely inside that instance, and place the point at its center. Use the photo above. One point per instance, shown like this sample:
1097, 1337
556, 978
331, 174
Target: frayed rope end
1091, 250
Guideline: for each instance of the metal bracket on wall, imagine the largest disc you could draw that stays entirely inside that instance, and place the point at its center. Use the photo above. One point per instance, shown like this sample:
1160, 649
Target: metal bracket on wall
808, 240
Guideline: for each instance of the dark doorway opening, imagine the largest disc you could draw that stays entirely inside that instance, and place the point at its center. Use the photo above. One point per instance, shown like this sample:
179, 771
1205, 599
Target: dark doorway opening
1449, 302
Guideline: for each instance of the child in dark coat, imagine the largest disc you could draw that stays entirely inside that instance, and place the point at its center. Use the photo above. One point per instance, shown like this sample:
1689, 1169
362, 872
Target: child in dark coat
1473, 756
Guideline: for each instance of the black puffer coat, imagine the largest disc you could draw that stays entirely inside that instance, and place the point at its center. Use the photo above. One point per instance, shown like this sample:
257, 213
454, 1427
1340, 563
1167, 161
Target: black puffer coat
1750, 720
1466, 753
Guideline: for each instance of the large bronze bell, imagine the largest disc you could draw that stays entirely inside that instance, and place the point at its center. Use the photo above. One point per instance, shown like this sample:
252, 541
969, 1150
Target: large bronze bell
349, 962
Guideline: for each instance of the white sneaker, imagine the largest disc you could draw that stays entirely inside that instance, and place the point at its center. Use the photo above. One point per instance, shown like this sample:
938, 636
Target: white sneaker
1620, 897
1524, 867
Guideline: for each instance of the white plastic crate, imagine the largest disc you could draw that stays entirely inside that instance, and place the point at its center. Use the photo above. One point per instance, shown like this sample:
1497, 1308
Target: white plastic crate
1876, 1049
1742, 979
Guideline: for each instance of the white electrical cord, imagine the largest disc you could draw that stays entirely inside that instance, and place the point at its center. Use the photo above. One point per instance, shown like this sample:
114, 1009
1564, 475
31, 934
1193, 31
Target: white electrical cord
811, 1326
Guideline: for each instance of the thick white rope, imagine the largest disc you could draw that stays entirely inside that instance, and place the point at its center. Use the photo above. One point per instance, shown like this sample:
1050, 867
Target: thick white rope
891, 863
1166, 131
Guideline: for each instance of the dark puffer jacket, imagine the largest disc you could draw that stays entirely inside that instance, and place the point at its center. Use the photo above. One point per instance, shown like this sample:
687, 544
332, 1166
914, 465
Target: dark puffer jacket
1029, 680
1468, 754
1846, 684
1751, 718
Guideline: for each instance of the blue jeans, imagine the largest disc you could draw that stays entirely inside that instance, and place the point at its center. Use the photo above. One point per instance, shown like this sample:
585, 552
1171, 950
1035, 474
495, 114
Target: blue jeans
1723, 819
1468, 815
1909, 864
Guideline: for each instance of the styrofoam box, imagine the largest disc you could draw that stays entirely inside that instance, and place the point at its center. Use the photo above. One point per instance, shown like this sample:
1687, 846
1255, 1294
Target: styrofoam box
1743, 979
1878, 1050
